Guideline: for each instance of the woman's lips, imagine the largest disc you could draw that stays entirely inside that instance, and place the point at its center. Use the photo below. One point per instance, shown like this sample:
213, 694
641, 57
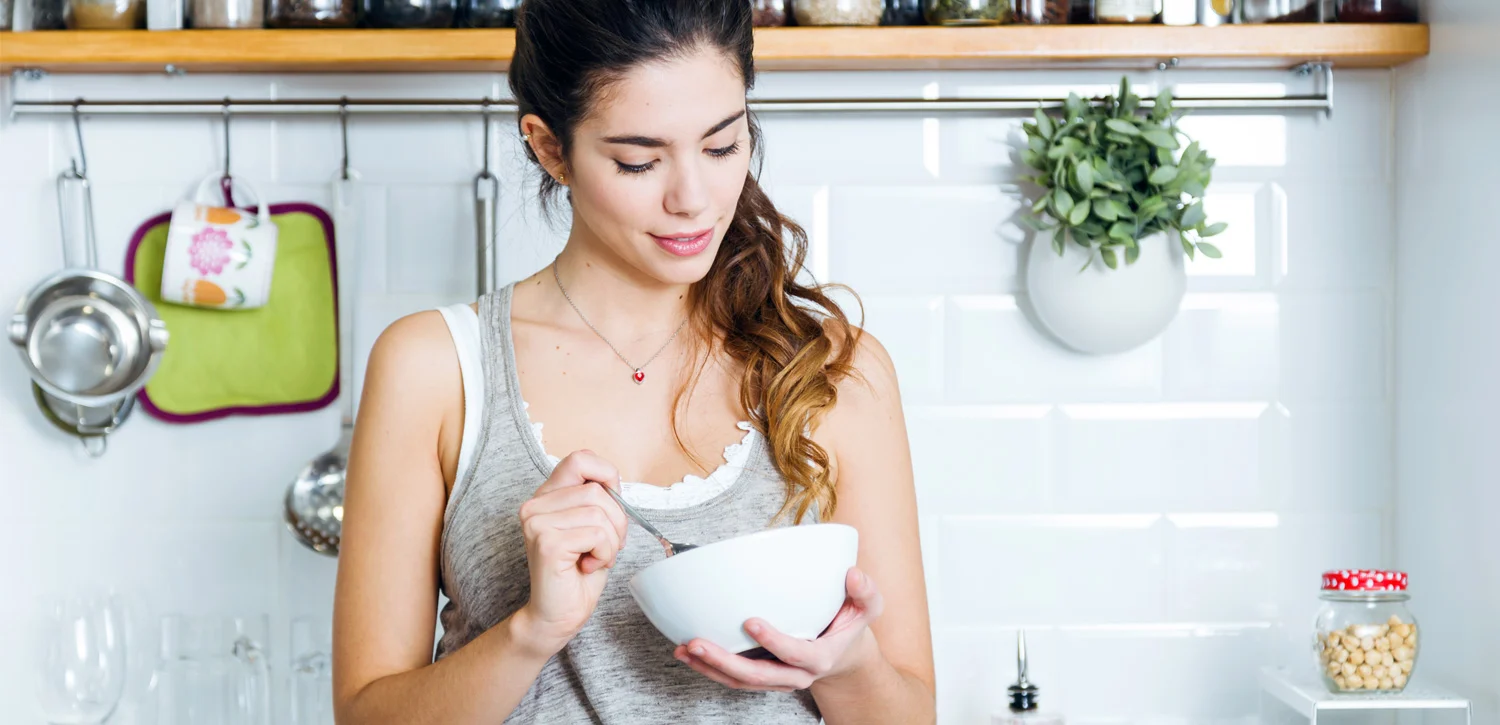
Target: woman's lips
685, 247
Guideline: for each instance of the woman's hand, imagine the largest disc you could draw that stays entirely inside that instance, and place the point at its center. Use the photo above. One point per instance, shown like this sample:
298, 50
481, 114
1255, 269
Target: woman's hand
574, 530
846, 646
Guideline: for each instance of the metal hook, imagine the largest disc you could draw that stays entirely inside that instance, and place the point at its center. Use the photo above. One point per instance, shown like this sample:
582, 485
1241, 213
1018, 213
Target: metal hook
484, 112
80, 164
344, 134
226, 137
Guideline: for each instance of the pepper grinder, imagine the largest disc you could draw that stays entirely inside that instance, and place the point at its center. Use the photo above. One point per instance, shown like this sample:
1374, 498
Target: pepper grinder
1024, 695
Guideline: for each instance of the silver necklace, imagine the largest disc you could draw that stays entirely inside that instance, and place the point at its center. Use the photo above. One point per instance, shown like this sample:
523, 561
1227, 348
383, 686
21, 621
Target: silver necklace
638, 373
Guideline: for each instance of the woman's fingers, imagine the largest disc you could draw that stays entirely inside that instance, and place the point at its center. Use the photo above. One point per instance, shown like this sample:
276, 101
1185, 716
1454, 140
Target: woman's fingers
589, 494
578, 468
566, 535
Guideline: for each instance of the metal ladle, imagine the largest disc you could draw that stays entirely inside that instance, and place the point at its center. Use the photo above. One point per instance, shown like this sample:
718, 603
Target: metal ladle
314, 506
671, 548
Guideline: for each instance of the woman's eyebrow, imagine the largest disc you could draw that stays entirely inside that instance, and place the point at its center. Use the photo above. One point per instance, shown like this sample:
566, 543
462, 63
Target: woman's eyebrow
656, 143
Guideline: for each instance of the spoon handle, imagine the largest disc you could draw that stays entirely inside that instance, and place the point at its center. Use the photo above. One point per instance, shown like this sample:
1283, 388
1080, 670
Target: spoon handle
637, 517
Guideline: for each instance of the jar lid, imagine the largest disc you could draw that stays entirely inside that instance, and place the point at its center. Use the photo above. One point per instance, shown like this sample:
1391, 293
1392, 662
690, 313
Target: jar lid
1364, 580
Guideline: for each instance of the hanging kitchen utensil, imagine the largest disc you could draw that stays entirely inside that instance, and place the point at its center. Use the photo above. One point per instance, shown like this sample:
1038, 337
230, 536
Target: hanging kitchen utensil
314, 505
486, 199
88, 339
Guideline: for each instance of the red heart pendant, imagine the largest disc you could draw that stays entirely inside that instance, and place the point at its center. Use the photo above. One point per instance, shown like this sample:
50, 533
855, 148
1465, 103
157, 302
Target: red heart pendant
639, 377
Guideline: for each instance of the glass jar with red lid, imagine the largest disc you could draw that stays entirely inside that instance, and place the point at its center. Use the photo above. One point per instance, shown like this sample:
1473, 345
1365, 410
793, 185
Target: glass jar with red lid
1366, 637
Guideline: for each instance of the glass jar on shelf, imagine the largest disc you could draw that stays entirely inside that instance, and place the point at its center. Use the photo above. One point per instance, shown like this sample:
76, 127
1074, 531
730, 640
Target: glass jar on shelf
903, 12
1042, 12
107, 15
1132, 12
966, 12
1286, 11
1082, 12
1366, 638
410, 13
838, 12
487, 13
311, 13
228, 14
1377, 11
768, 13
5, 8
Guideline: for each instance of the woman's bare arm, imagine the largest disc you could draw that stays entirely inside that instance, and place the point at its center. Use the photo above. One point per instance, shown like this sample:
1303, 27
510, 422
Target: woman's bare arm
386, 598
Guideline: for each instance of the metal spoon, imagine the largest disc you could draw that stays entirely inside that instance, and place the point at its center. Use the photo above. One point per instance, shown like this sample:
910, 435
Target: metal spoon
630, 511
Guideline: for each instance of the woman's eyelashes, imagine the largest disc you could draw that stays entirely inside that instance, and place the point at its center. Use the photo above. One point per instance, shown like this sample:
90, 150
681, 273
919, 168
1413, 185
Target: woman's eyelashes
717, 153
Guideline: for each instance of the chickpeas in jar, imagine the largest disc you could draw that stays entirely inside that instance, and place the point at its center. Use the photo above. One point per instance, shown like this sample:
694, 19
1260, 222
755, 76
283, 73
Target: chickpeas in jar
1366, 638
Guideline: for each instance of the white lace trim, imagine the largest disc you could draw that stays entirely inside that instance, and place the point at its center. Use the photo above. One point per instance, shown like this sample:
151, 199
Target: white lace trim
690, 491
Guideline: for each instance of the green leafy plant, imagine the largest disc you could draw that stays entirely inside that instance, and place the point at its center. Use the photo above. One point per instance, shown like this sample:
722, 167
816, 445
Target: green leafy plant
1112, 176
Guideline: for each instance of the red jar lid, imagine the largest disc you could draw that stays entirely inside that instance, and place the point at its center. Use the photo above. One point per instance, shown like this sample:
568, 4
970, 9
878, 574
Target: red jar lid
1364, 580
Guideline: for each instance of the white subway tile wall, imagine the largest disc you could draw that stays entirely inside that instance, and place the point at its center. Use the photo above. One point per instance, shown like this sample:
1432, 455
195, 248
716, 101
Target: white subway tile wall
1155, 520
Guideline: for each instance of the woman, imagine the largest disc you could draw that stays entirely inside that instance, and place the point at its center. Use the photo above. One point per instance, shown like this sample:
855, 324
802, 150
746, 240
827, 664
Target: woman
671, 327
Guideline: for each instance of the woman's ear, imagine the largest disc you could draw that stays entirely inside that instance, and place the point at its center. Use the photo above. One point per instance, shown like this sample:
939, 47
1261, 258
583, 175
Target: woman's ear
544, 144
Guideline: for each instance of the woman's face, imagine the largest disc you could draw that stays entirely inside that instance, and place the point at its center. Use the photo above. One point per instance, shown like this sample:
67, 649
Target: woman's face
657, 168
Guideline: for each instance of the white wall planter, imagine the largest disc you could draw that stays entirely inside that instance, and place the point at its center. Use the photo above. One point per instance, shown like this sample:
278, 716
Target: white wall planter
1101, 311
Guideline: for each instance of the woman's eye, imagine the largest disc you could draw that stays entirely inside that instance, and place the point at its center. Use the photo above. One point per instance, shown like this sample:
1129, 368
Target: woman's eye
632, 169
726, 151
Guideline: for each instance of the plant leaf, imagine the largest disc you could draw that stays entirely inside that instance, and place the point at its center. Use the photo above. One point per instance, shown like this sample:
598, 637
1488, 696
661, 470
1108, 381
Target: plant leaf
1160, 138
1057, 240
1209, 250
1121, 231
1193, 216
1034, 160
1132, 253
1214, 230
1040, 205
1105, 209
1109, 258
1062, 202
1122, 127
1163, 175
1186, 245
1080, 213
1044, 124
1085, 174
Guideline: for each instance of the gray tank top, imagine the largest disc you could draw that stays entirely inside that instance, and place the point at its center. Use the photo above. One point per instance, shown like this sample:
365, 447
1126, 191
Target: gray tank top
619, 668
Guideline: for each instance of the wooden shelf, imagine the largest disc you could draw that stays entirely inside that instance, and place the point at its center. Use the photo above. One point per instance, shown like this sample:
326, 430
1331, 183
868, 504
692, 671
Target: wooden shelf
1239, 46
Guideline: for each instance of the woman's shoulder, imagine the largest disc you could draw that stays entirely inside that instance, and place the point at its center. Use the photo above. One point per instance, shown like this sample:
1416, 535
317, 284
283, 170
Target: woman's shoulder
415, 361
870, 366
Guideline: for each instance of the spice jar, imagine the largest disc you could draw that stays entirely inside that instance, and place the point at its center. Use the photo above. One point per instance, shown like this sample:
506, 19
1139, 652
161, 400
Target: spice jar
1125, 11
1376, 11
1042, 12
41, 14
1366, 637
233, 14
966, 12
410, 13
838, 12
487, 13
107, 15
311, 13
903, 12
768, 13
1082, 12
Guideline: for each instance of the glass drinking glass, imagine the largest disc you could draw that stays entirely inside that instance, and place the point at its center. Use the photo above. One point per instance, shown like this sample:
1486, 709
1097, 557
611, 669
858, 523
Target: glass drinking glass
213, 671
81, 659
312, 672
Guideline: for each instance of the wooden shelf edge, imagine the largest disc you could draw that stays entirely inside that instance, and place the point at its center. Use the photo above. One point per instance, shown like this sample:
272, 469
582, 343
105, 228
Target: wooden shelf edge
1238, 46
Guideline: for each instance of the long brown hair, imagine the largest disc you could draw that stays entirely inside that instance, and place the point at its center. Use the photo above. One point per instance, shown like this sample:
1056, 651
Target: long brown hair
793, 343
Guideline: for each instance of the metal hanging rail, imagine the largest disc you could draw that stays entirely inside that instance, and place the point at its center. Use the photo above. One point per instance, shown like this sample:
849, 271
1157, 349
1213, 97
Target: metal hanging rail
324, 106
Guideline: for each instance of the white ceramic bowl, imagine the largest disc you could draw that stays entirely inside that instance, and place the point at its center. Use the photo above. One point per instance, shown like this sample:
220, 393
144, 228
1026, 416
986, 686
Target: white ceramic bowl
792, 577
